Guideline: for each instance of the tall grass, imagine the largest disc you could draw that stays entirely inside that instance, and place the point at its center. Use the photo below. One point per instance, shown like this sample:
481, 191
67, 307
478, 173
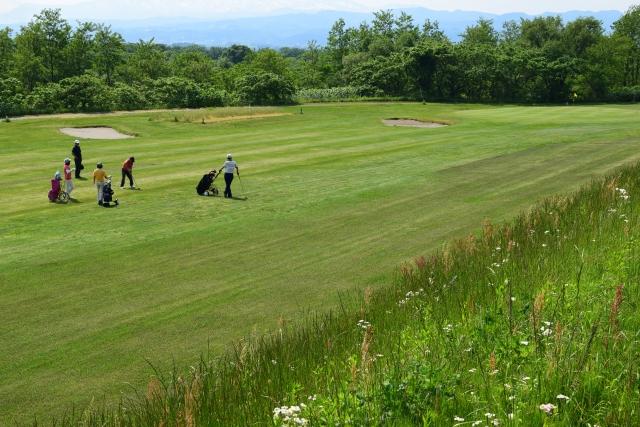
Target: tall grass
530, 323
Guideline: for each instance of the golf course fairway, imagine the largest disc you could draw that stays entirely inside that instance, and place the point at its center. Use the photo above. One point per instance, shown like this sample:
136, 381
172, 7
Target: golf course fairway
331, 201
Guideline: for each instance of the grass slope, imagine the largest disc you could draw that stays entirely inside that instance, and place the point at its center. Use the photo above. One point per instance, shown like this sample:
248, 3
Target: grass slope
336, 200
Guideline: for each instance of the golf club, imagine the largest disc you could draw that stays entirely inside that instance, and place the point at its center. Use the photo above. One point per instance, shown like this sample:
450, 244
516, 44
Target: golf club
242, 185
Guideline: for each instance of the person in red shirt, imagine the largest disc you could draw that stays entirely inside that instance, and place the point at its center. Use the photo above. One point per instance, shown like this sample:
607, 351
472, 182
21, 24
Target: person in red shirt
127, 171
68, 178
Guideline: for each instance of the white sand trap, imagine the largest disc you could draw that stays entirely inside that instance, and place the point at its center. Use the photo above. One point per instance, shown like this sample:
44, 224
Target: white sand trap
412, 123
95, 133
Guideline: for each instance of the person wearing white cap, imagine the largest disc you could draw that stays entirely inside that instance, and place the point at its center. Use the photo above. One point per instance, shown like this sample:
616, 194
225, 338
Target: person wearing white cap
77, 158
229, 167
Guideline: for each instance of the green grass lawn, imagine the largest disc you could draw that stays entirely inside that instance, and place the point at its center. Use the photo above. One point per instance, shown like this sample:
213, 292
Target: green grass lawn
335, 201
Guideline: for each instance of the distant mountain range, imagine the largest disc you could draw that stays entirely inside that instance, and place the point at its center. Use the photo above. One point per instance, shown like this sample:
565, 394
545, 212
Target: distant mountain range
291, 29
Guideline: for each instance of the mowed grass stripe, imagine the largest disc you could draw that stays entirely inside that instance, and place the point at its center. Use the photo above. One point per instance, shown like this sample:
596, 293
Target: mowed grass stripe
335, 202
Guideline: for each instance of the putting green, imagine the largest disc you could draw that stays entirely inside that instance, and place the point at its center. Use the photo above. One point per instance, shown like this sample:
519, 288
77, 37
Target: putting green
336, 200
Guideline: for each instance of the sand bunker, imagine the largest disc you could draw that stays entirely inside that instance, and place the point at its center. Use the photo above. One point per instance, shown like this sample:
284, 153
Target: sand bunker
412, 123
95, 133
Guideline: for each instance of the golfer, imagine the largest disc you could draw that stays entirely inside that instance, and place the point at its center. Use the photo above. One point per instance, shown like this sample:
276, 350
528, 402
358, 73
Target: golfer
127, 171
99, 178
77, 157
229, 166
68, 179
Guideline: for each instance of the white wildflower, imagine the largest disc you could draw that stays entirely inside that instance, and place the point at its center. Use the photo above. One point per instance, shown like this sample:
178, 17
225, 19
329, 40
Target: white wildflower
510, 415
472, 370
489, 415
548, 408
476, 423
458, 419
524, 342
563, 397
363, 324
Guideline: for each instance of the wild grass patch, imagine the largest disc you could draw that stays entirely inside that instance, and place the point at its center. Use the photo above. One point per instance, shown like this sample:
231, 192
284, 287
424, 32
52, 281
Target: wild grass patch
216, 115
529, 323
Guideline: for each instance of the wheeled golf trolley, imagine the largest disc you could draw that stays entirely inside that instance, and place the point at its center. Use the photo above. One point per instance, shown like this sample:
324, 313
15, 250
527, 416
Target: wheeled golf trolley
57, 193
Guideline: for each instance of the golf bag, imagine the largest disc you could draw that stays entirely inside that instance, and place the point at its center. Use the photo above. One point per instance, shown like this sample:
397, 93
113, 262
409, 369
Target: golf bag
206, 187
57, 194
55, 190
108, 195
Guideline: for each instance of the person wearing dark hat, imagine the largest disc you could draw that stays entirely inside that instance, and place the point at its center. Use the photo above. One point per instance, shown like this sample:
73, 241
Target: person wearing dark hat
77, 157
127, 171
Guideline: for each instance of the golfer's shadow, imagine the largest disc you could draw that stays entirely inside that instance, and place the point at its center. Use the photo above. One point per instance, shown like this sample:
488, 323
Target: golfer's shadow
241, 199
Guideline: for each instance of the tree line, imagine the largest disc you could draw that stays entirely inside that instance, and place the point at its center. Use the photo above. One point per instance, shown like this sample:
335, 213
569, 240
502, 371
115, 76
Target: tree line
51, 66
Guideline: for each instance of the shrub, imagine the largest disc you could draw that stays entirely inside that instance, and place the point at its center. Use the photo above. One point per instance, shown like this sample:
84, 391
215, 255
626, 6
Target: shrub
263, 88
43, 99
212, 97
343, 93
86, 93
626, 94
126, 97
177, 92
10, 97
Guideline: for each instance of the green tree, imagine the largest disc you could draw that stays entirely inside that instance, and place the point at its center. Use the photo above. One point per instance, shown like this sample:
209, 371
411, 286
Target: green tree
337, 43
407, 33
28, 65
628, 26
7, 50
148, 62
80, 51
109, 52
237, 53
581, 34
270, 61
482, 33
511, 32
431, 31
541, 30
193, 64
52, 34
421, 63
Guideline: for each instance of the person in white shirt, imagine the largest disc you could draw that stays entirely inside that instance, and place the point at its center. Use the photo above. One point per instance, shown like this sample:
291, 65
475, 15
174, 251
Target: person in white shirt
229, 167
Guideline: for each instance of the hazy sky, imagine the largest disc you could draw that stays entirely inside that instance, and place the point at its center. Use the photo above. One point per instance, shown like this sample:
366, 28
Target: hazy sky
149, 8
